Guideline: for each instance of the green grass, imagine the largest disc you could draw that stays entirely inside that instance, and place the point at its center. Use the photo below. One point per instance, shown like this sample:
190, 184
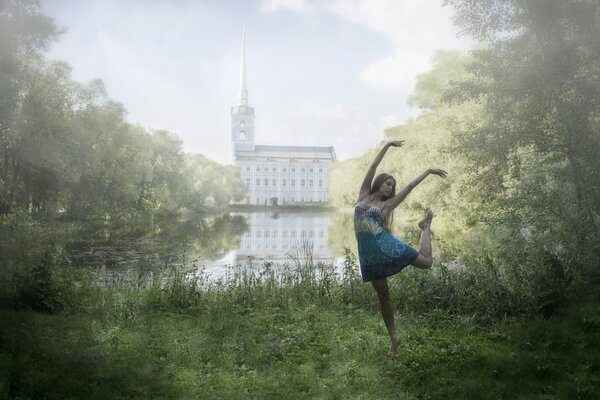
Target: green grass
133, 343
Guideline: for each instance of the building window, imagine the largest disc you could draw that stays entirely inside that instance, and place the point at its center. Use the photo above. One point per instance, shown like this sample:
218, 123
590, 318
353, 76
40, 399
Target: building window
274, 169
293, 169
284, 169
257, 169
284, 234
266, 182
303, 169
320, 169
303, 184
266, 169
274, 182
242, 124
320, 183
293, 183
247, 168
267, 233
257, 181
283, 182
242, 135
248, 181
310, 182
310, 170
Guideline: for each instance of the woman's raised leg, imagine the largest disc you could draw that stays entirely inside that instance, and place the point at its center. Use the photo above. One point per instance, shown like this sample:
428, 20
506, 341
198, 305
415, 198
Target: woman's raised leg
425, 258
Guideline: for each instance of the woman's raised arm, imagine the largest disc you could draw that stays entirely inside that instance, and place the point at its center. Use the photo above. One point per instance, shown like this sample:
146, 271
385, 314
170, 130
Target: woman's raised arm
392, 203
365, 188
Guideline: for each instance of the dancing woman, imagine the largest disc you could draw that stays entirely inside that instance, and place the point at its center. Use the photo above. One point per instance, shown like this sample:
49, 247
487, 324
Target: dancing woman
380, 253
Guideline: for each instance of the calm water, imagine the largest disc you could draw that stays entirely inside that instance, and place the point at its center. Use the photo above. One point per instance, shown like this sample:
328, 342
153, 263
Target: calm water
217, 242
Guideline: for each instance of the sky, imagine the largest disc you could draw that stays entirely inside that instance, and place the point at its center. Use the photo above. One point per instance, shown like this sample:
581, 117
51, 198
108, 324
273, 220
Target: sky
319, 73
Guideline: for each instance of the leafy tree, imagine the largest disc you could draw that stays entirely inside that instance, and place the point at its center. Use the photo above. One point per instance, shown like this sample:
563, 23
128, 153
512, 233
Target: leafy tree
67, 148
24, 34
538, 80
209, 184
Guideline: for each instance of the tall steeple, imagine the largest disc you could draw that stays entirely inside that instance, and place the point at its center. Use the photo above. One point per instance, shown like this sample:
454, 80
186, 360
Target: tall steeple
243, 97
242, 115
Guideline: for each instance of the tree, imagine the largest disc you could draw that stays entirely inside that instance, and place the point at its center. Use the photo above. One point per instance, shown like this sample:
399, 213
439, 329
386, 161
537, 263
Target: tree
24, 34
67, 148
538, 79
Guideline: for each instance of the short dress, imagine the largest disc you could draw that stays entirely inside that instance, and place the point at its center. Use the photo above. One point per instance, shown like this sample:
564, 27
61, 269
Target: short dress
380, 253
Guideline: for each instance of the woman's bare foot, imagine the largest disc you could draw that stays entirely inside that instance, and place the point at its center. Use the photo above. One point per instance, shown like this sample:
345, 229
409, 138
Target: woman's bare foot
426, 222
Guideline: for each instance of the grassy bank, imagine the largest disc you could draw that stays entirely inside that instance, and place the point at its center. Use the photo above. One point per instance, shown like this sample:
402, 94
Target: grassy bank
296, 352
302, 332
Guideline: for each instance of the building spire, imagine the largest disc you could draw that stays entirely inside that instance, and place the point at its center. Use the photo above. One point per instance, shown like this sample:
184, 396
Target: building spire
243, 99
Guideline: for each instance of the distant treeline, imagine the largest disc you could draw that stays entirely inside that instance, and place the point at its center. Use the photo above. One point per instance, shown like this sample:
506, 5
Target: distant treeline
67, 149
516, 122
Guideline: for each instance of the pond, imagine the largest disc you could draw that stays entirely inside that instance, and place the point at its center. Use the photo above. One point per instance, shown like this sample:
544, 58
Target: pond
216, 242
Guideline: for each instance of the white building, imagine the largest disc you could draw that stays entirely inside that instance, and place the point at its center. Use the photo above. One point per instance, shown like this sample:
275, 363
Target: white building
275, 174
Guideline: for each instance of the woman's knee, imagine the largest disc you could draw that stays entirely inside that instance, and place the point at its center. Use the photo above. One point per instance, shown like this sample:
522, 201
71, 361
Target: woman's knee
423, 262
382, 289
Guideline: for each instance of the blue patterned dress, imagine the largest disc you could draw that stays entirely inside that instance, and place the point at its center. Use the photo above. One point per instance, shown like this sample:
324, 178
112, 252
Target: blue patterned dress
380, 253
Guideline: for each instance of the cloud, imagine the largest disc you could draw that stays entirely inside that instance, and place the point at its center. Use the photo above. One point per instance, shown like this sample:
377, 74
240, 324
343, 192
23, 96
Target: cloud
328, 112
403, 22
302, 6
414, 41
396, 73
415, 29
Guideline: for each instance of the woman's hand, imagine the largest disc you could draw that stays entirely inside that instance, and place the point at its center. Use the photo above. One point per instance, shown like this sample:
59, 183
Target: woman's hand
396, 143
439, 172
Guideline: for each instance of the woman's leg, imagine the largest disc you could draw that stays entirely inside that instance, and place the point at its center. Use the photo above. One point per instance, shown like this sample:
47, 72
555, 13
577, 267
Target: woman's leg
425, 259
383, 293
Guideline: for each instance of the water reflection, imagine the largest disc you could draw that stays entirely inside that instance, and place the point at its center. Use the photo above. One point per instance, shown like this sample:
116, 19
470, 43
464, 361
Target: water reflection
279, 236
163, 243
211, 243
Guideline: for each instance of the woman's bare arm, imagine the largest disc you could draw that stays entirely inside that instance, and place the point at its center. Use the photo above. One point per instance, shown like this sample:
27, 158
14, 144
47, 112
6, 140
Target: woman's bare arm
368, 179
392, 203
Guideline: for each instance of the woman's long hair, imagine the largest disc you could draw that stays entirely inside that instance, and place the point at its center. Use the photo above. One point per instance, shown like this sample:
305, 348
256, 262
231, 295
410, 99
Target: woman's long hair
377, 182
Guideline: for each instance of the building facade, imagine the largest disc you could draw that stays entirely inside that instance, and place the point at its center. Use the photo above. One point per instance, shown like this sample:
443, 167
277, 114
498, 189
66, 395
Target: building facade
275, 175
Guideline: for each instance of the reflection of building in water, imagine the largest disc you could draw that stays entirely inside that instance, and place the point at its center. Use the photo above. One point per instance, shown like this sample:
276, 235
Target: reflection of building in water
275, 174
276, 236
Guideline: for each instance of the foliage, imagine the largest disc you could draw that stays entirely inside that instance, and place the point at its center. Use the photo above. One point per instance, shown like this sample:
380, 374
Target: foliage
515, 123
66, 148
535, 151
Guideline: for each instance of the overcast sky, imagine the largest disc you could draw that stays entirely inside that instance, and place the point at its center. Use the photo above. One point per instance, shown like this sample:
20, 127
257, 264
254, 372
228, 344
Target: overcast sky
319, 73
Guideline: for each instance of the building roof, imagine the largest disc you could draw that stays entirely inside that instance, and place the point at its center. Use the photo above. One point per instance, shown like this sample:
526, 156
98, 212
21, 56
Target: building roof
288, 152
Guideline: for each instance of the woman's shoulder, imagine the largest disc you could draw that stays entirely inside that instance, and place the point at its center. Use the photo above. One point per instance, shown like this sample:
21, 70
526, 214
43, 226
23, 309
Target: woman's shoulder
384, 208
361, 197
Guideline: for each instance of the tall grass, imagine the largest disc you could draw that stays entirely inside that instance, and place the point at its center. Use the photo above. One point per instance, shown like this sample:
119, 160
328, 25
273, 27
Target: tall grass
486, 287
301, 330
